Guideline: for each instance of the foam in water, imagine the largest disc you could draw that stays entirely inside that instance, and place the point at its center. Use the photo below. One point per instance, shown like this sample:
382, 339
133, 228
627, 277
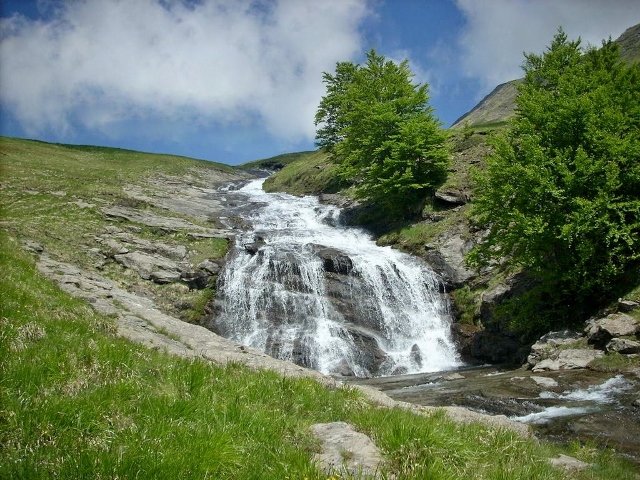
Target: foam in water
603, 393
589, 397
276, 299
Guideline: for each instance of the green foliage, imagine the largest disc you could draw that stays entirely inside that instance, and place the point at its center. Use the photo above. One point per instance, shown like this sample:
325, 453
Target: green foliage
382, 131
561, 193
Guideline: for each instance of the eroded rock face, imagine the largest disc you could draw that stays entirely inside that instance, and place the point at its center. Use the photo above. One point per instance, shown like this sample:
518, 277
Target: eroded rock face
447, 258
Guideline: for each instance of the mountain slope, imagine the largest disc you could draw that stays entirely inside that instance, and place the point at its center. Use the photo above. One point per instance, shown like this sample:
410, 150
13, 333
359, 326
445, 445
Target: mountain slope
499, 105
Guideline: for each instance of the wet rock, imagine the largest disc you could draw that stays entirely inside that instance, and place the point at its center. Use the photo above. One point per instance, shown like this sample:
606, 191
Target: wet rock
544, 382
495, 347
601, 330
623, 345
568, 463
463, 335
549, 344
333, 260
346, 451
568, 359
453, 376
253, 247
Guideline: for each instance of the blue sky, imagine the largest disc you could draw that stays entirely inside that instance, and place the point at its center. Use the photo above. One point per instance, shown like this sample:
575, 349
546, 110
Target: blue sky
234, 81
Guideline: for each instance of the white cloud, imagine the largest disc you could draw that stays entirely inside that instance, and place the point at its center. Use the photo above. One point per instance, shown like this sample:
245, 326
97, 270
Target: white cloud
100, 62
497, 32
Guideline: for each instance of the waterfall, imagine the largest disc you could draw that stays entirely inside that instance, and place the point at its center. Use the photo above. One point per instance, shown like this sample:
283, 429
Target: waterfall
301, 287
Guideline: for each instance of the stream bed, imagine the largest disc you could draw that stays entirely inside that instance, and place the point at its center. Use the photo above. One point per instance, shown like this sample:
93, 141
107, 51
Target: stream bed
562, 406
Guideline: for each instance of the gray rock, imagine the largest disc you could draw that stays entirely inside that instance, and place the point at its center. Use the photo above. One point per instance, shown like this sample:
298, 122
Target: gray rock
210, 267
568, 359
32, 246
167, 224
601, 330
447, 258
568, 463
549, 344
623, 345
451, 197
544, 382
150, 267
346, 451
636, 402
253, 247
453, 376
626, 306
114, 247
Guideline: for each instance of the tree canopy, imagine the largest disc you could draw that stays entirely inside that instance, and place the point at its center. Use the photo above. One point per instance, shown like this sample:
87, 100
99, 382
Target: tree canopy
561, 192
380, 128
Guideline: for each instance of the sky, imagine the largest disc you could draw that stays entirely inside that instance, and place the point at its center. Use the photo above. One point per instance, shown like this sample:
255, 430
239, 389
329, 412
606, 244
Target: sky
237, 80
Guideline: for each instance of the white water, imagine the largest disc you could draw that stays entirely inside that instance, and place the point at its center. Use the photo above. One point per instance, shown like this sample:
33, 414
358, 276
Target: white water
276, 300
583, 400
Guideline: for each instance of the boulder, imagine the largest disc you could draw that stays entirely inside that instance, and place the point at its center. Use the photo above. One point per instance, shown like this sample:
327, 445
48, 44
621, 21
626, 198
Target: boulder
253, 247
569, 463
549, 344
568, 359
345, 451
210, 267
544, 382
333, 260
626, 306
451, 197
601, 330
623, 345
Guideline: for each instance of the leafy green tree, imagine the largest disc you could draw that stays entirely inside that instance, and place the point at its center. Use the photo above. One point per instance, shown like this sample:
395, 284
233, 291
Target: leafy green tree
380, 128
561, 192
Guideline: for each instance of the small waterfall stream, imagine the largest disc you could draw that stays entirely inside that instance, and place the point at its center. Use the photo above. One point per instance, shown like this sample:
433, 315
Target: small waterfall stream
301, 287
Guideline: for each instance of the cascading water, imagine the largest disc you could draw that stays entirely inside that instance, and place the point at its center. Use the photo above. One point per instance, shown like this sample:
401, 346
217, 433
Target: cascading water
301, 287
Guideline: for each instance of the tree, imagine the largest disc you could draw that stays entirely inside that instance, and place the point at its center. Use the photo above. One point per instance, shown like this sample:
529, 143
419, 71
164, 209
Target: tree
381, 130
561, 192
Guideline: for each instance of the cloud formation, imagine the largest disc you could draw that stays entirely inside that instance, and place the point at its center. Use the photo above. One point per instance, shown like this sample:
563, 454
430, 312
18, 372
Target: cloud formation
95, 63
497, 32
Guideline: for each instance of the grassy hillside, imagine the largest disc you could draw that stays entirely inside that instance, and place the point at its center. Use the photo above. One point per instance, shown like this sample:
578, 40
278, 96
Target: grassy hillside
274, 163
76, 401
310, 173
